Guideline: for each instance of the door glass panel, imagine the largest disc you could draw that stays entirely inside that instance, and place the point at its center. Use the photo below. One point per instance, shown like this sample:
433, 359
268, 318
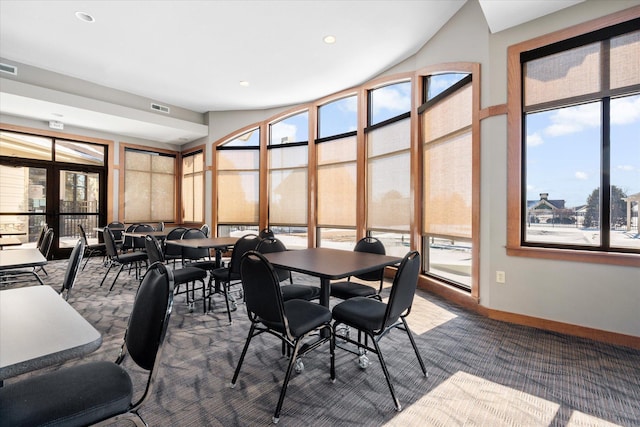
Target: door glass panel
79, 204
25, 146
79, 153
24, 193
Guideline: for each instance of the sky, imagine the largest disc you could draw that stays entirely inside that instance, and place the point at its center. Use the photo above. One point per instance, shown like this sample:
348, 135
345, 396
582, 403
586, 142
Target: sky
563, 150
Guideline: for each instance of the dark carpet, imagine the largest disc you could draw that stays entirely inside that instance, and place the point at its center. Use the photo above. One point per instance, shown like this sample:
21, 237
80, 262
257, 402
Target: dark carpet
481, 372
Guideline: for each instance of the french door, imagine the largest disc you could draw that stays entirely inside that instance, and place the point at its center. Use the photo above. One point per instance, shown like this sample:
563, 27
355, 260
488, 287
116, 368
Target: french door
55, 182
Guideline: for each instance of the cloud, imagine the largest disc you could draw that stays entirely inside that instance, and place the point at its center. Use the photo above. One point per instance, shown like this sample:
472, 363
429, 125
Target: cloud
574, 119
391, 99
283, 130
625, 167
582, 175
570, 120
534, 140
625, 110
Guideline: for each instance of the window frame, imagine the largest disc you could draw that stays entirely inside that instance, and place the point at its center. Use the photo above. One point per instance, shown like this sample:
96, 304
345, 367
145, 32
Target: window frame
515, 126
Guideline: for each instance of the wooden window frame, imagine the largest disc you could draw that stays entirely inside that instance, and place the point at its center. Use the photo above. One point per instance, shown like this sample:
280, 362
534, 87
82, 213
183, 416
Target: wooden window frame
514, 148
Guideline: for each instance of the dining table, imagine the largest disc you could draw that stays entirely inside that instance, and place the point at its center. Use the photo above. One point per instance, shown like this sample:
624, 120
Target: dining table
220, 244
9, 241
330, 264
11, 262
38, 328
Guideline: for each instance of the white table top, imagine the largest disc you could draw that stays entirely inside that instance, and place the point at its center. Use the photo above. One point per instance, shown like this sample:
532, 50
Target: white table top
39, 328
21, 258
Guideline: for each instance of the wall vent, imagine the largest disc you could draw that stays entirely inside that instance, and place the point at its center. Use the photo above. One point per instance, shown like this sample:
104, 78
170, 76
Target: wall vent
161, 108
9, 69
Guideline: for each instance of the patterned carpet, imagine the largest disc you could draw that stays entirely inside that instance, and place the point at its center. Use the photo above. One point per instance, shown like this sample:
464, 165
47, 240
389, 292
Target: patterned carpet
481, 372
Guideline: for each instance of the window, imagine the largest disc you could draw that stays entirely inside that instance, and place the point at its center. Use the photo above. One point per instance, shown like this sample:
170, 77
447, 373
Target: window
149, 186
288, 160
447, 144
580, 152
389, 101
238, 183
336, 154
193, 186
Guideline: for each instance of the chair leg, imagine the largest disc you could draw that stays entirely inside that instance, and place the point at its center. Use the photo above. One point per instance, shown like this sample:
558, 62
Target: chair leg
243, 354
116, 278
287, 377
106, 274
386, 374
415, 347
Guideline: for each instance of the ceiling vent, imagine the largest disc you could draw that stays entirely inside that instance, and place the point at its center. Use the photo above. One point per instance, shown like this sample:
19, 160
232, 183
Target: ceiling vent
9, 69
161, 108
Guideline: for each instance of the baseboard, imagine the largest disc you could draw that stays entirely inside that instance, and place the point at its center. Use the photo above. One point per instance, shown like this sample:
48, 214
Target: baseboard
465, 300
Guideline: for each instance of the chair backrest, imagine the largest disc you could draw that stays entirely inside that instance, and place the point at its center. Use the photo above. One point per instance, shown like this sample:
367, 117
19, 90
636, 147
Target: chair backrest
374, 246
175, 234
73, 266
47, 241
127, 242
261, 287
266, 233
150, 317
43, 231
246, 243
138, 242
270, 245
154, 249
160, 226
83, 234
205, 229
116, 227
403, 288
194, 253
110, 243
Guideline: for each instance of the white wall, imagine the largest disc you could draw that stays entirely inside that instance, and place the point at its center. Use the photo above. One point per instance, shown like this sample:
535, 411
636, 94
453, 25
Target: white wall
592, 295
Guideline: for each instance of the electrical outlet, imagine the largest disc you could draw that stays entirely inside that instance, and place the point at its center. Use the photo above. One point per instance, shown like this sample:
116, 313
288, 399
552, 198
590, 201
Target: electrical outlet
500, 276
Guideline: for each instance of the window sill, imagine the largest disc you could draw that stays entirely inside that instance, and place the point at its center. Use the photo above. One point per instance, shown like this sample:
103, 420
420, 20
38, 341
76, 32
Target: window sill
627, 260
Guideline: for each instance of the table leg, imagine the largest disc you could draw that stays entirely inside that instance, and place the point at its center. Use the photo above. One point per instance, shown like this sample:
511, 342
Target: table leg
325, 294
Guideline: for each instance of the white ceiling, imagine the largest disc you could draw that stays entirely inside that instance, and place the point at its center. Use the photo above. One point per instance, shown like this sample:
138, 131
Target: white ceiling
193, 54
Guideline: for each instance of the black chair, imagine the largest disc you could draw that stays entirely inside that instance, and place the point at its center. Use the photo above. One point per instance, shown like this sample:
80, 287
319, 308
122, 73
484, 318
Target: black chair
185, 275
290, 291
349, 289
73, 266
375, 318
96, 391
194, 254
205, 229
266, 233
160, 226
90, 249
127, 241
43, 230
225, 277
171, 252
139, 242
291, 321
117, 228
45, 248
120, 260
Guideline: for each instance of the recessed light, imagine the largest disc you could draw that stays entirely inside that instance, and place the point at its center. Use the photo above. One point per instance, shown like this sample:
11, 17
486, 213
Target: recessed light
83, 16
329, 39
244, 83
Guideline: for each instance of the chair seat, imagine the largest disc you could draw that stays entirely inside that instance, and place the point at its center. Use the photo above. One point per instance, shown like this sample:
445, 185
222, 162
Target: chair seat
74, 396
361, 313
346, 290
132, 257
204, 265
188, 274
304, 292
303, 316
223, 275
